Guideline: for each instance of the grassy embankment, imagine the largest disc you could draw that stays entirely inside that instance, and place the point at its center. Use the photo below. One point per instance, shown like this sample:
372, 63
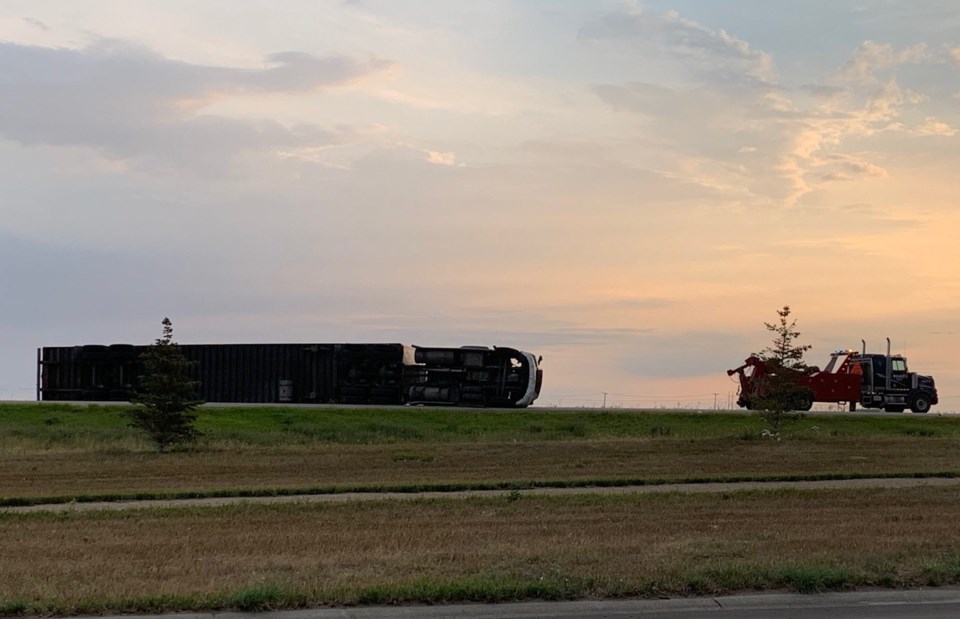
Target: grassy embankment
514, 547
61, 453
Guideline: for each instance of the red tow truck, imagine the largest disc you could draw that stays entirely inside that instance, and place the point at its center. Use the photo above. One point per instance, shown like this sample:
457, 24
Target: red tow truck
872, 380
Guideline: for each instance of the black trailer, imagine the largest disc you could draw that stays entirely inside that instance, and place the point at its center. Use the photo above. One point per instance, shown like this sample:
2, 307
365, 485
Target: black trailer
304, 373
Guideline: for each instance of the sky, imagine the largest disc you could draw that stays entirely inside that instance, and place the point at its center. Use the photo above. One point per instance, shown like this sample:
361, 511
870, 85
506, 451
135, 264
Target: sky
628, 188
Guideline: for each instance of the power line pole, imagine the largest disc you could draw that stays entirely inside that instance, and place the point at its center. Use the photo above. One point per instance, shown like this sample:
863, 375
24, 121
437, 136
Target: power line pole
604, 399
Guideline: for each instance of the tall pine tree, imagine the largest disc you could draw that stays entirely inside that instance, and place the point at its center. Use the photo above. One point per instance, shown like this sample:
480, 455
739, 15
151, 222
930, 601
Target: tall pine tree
165, 396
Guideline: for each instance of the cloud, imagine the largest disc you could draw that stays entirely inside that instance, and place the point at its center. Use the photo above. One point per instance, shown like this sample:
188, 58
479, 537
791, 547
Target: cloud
886, 100
36, 23
300, 72
954, 54
725, 120
825, 91
871, 57
447, 159
724, 141
932, 126
707, 51
127, 102
849, 168
762, 144
737, 130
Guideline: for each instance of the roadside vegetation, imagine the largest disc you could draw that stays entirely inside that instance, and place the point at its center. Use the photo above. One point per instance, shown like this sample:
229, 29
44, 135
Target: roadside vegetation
408, 467
493, 549
478, 549
47, 427
57, 453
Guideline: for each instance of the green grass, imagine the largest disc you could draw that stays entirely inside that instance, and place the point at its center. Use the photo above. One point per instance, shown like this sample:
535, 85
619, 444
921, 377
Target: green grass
50, 426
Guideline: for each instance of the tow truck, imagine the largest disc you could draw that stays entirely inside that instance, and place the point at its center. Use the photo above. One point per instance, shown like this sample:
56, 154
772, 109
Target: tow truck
850, 377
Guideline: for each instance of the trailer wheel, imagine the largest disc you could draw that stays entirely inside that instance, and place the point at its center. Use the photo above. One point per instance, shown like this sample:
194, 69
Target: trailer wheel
920, 403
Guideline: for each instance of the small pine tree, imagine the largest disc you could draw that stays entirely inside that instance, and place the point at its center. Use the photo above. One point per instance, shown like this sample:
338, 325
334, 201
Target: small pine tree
785, 353
165, 397
781, 391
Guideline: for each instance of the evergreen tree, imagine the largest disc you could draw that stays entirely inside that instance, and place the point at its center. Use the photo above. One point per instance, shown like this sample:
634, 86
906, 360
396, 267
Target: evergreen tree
165, 397
780, 392
785, 352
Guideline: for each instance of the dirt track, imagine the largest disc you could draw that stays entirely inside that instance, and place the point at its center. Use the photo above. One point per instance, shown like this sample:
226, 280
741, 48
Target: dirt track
347, 497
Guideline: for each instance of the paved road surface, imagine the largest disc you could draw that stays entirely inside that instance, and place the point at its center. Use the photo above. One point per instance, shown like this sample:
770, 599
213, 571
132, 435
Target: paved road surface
920, 604
537, 409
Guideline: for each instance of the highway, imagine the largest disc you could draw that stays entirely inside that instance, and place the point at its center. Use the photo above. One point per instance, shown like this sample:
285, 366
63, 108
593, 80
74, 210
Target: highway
537, 409
941, 603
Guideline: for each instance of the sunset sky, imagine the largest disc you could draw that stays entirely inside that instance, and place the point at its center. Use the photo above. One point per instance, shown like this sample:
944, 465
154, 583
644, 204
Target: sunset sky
629, 189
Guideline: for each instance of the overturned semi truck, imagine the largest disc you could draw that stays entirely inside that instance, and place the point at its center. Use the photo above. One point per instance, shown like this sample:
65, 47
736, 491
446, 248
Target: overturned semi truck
305, 373
870, 380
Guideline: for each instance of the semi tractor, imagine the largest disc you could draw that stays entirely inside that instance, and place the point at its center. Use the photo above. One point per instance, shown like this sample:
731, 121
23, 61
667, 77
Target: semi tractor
870, 380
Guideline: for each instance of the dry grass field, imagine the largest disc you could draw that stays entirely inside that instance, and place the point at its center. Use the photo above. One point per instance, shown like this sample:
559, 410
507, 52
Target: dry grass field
516, 547
65, 474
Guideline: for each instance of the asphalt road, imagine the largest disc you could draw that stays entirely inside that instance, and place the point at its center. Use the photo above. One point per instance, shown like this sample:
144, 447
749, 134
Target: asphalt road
705, 411
885, 604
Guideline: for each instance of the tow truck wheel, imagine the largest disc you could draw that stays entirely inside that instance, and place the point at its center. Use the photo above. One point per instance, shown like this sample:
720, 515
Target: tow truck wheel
920, 403
804, 403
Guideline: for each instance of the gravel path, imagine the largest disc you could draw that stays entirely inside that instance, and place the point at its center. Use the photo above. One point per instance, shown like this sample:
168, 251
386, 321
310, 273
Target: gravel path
347, 497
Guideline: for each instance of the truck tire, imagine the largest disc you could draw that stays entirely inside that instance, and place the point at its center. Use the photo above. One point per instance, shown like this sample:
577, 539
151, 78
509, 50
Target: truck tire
920, 403
804, 402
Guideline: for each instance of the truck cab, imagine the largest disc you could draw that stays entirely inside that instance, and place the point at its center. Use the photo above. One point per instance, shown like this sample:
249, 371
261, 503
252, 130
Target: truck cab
887, 383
